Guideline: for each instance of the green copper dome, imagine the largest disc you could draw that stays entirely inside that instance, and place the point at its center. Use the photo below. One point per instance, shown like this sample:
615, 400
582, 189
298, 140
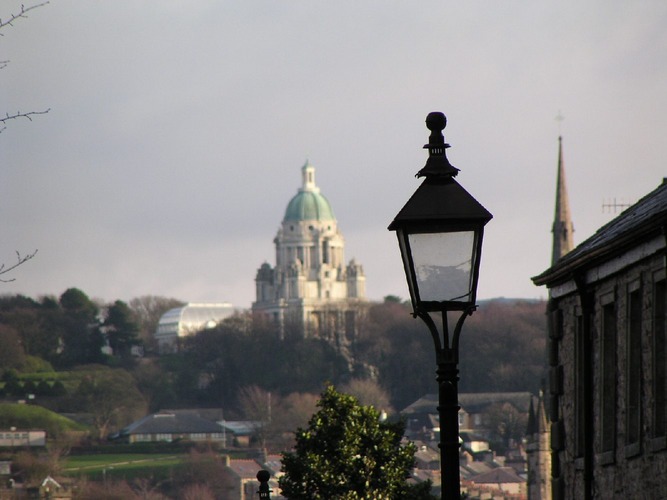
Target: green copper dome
308, 203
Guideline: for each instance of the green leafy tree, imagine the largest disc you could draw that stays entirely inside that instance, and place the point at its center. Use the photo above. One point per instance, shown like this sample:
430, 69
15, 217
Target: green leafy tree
11, 350
227, 357
347, 453
39, 327
43, 388
29, 387
121, 329
82, 338
58, 389
156, 384
12, 386
77, 304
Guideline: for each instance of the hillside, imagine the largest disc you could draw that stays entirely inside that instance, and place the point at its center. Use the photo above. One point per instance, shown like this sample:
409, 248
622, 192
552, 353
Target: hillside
24, 417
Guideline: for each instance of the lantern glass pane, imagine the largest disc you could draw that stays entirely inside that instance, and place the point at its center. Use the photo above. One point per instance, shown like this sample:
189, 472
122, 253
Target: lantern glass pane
405, 255
443, 264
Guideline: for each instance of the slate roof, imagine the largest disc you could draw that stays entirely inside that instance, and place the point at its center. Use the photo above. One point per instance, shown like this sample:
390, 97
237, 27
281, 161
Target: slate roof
274, 464
421, 475
499, 475
472, 402
426, 404
212, 414
477, 402
469, 437
428, 458
642, 221
173, 422
245, 469
240, 427
472, 469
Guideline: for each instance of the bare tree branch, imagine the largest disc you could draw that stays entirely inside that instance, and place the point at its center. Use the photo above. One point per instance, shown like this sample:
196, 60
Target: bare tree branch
27, 115
18, 114
3, 64
19, 260
21, 14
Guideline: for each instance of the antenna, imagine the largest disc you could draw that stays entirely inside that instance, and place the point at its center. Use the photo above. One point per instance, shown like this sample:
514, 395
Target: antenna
613, 206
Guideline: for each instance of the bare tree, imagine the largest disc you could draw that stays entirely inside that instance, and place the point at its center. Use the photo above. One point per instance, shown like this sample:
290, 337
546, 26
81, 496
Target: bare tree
197, 492
20, 259
22, 14
256, 403
9, 22
147, 311
4, 23
111, 397
369, 393
28, 115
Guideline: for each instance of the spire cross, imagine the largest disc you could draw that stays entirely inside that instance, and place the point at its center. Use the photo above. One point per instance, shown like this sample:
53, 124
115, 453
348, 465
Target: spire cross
559, 118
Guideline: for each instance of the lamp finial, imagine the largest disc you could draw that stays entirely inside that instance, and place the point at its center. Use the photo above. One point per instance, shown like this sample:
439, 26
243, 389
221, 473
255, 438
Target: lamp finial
437, 164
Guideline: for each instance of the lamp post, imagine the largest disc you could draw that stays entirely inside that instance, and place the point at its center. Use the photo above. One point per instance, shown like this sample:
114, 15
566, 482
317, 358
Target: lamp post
263, 477
439, 233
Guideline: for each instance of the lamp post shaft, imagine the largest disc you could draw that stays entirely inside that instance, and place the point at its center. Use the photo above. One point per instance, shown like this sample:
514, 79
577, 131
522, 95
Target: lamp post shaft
447, 360
448, 411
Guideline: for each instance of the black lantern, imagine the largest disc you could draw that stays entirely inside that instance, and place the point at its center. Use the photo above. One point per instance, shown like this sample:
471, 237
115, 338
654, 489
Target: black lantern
440, 232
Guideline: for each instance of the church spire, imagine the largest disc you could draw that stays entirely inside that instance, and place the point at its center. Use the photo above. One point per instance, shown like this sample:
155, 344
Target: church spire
562, 228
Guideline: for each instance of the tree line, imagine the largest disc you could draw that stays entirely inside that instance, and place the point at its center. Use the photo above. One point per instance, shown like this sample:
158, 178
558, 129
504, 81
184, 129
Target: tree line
108, 354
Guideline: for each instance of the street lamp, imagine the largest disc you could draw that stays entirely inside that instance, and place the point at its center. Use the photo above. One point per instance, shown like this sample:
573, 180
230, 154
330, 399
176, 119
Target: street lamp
263, 477
439, 233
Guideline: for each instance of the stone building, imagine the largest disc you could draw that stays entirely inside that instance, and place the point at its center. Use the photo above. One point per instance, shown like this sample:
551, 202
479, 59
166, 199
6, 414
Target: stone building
608, 358
311, 291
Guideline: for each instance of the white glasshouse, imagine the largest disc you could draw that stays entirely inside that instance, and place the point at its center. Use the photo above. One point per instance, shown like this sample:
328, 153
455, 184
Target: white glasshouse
187, 320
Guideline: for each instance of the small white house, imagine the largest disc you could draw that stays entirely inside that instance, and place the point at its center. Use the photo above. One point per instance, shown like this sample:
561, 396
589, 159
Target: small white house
16, 438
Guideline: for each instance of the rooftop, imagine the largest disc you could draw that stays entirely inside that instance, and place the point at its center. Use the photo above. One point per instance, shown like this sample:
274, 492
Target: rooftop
173, 422
472, 402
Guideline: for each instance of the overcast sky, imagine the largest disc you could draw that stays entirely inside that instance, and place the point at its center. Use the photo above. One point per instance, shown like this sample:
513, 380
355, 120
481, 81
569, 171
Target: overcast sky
177, 131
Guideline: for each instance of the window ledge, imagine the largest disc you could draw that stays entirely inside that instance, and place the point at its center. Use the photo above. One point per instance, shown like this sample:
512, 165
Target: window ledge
658, 444
606, 457
632, 450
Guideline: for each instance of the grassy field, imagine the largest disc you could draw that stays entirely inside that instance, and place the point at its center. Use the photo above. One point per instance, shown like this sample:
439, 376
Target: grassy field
122, 466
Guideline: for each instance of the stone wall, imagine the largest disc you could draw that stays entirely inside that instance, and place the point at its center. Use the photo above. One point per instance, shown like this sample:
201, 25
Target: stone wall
626, 471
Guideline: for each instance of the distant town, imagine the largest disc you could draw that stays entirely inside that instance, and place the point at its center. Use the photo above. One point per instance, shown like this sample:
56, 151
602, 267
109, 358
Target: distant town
191, 400
129, 393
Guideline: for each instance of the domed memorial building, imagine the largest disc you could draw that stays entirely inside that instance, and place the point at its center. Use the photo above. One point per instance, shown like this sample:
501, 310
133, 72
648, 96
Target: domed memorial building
311, 291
